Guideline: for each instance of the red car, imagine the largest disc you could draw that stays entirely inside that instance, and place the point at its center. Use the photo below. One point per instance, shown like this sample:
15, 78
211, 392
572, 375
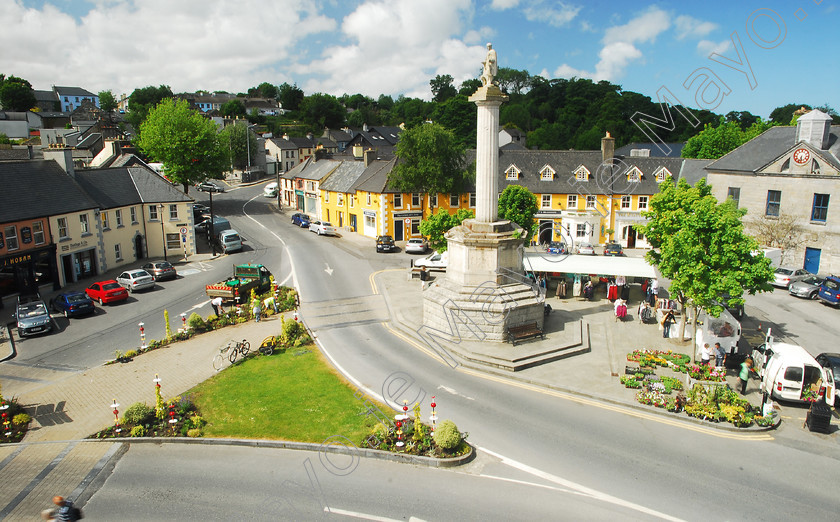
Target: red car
106, 292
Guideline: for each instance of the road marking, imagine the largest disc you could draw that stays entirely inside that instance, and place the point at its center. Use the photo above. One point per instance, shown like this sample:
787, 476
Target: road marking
578, 487
293, 273
328, 270
524, 483
453, 392
365, 516
189, 271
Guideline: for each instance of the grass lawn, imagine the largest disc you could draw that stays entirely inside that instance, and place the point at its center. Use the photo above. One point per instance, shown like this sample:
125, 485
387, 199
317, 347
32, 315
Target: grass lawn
284, 396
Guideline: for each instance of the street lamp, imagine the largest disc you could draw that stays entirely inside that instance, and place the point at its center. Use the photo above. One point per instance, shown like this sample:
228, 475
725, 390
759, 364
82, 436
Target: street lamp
162, 232
211, 229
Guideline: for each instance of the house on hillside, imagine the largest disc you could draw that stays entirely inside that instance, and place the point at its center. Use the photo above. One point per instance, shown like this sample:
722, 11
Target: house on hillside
71, 98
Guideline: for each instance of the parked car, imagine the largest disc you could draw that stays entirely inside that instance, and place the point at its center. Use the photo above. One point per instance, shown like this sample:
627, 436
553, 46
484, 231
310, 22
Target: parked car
219, 224
831, 363
416, 245
270, 190
301, 220
228, 241
209, 186
784, 276
434, 261
385, 244
808, 287
32, 316
556, 247
73, 304
160, 270
586, 249
322, 228
133, 280
830, 290
613, 249
107, 292
200, 210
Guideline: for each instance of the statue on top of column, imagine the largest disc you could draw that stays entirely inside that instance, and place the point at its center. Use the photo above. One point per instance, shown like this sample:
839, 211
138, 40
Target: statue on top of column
491, 67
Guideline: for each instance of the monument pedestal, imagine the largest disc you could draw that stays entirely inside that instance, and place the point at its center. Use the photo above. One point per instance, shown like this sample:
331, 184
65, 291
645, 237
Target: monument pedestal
483, 293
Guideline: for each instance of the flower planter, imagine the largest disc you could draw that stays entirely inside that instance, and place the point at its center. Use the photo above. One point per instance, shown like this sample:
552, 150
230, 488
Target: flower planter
631, 370
690, 382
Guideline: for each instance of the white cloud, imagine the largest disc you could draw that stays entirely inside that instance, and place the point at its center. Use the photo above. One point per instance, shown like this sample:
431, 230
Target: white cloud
642, 29
707, 47
687, 26
125, 44
614, 58
482, 36
552, 12
501, 5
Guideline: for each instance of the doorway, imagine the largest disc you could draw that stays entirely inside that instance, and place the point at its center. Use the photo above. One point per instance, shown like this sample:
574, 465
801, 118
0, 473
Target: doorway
546, 234
399, 227
138, 247
630, 234
812, 260
353, 222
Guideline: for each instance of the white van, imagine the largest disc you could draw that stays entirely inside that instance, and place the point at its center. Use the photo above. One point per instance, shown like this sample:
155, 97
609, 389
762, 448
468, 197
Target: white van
229, 241
787, 371
270, 190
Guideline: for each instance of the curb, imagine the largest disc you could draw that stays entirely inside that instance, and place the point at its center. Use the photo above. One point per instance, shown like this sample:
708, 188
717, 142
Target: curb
12, 349
337, 446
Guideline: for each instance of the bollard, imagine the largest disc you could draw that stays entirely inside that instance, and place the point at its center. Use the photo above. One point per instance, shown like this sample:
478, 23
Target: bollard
114, 405
142, 336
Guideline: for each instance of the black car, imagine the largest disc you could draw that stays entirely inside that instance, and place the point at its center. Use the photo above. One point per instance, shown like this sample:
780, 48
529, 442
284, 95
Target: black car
73, 304
385, 244
301, 220
613, 249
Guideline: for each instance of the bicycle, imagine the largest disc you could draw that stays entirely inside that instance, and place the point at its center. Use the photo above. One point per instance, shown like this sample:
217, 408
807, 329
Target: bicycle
230, 353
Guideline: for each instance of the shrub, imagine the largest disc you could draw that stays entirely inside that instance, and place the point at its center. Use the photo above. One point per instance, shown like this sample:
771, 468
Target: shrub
195, 432
196, 322
447, 435
21, 419
138, 413
131, 353
291, 332
138, 431
197, 421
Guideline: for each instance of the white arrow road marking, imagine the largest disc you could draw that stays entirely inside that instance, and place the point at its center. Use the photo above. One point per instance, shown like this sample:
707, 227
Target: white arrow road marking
453, 392
328, 270
365, 516
199, 305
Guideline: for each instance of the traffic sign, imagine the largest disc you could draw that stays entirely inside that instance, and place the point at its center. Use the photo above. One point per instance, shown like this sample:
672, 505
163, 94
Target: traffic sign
183, 231
407, 221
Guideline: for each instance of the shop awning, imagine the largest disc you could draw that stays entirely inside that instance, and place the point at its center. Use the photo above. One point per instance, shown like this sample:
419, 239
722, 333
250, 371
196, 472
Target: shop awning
577, 264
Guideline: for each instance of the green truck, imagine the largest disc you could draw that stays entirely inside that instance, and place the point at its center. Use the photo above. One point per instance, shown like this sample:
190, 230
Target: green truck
245, 278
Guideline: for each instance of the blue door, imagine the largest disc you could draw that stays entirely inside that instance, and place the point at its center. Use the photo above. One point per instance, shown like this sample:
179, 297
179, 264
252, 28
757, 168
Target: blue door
812, 260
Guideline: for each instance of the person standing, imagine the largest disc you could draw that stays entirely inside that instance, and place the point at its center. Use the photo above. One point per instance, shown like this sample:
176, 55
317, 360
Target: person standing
216, 303
666, 324
705, 355
720, 355
745, 374
620, 281
257, 310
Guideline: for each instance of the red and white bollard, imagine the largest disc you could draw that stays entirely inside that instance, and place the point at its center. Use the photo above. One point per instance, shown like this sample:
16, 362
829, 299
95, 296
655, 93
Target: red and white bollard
114, 406
184, 321
401, 418
433, 416
142, 336
296, 316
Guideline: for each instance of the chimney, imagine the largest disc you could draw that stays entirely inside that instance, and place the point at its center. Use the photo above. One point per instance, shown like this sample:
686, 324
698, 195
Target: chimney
285, 136
369, 157
814, 128
607, 149
365, 127
63, 156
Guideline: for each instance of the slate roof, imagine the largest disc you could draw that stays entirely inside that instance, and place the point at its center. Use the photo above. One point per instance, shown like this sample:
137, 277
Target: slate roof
375, 177
283, 144
72, 91
312, 170
338, 135
124, 186
344, 177
45, 96
15, 154
693, 170
39, 188
654, 148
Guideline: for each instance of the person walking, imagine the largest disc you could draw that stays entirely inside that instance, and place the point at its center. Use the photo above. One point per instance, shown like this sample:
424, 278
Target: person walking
744, 375
666, 324
216, 303
65, 509
257, 310
720, 355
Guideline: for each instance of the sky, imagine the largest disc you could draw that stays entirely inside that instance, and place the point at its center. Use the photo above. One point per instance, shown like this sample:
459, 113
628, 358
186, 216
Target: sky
769, 53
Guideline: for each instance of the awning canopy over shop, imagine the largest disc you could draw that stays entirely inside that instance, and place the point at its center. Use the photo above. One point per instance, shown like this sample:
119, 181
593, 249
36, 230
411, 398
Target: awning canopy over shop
578, 264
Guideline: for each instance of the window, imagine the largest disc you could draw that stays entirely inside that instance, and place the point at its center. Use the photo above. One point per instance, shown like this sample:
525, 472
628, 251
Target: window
119, 218
173, 241
662, 174
580, 230
415, 200
734, 193
83, 221
38, 232
512, 173
625, 202
453, 200
310, 185
815, 168
153, 215
547, 173
11, 238
582, 174
545, 201
472, 199
62, 228
785, 166
173, 212
118, 252
339, 200
351, 200
774, 201
398, 200
432, 200
643, 201
326, 197
590, 202
133, 213
820, 210
368, 198
634, 175
104, 216
571, 201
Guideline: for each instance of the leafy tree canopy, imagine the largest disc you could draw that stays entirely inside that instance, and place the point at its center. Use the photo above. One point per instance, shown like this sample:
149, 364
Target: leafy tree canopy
435, 226
235, 140
442, 87
233, 108
290, 96
513, 81
16, 94
519, 205
714, 142
701, 247
784, 114
4, 140
141, 101
184, 141
322, 110
264, 90
107, 101
430, 160
469, 87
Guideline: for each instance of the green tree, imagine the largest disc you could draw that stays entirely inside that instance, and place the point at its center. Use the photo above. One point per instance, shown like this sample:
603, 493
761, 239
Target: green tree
429, 160
321, 111
513, 80
701, 247
442, 87
16, 94
141, 101
232, 108
519, 205
458, 115
290, 96
469, 87
715, 141
268, 90
435, 226
184, 141
784, 114
234, 140
107, 101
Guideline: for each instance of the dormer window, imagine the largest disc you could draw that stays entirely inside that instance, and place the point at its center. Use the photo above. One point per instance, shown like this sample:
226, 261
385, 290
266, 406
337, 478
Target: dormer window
581, 174
547, 173
662, 174
634, 175
512, 173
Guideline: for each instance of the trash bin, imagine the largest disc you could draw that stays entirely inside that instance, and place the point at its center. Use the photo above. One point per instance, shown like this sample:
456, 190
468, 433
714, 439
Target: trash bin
819, 417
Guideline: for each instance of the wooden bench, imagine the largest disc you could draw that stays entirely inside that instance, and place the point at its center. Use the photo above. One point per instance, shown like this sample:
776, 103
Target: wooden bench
524, 331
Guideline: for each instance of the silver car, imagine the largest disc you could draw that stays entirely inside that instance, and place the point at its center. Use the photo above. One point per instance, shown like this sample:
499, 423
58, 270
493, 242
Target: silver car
32, 316
784, 276
138, 279
586, 249
808, 287
416, 245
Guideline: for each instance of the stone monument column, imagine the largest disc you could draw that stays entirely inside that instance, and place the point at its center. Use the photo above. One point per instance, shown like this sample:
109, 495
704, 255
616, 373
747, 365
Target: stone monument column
488, 99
